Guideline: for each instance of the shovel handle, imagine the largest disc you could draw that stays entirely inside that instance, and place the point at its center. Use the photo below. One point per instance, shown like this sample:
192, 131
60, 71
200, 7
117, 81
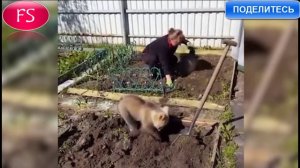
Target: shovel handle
210, 84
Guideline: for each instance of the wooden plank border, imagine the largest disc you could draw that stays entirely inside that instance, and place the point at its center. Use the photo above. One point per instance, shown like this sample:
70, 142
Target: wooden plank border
170, 101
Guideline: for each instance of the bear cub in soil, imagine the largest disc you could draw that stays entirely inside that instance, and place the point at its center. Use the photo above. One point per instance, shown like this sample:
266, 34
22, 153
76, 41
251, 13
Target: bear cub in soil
152, 117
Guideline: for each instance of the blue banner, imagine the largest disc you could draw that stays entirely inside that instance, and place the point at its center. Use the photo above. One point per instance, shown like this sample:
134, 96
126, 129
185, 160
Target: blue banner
262, 9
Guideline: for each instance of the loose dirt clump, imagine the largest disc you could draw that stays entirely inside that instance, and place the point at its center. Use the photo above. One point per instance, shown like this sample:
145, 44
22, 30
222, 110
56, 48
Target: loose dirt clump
100, 140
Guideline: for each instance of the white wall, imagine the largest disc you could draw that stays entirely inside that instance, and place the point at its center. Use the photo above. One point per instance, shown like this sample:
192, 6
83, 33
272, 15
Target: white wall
241, 51
238, 51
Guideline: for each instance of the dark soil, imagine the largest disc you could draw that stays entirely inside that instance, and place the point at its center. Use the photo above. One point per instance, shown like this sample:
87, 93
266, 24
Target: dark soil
191, 84
195, 83
102, 141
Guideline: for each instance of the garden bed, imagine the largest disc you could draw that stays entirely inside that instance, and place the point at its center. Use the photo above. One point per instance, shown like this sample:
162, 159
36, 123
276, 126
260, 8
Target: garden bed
189, 86
100, 139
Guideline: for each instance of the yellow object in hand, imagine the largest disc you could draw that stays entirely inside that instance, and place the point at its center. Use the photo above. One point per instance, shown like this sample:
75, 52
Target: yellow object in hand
169, 83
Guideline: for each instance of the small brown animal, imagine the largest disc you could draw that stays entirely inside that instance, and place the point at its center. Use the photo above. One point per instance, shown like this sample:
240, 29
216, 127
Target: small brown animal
152, 117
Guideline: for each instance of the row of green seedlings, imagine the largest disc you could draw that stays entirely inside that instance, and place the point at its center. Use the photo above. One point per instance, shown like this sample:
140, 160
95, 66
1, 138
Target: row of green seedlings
227, 153
71, 59
118, 55
117, 58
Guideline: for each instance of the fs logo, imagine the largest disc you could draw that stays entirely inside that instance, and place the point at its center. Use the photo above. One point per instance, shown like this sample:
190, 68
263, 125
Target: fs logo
25, 15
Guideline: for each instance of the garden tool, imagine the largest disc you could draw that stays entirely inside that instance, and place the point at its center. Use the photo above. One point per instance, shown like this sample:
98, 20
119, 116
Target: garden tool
188, 132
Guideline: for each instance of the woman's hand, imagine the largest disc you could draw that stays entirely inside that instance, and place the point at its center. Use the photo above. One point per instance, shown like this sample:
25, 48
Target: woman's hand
169, 81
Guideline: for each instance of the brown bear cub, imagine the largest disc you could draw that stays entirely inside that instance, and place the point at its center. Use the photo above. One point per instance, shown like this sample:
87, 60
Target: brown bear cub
152, 117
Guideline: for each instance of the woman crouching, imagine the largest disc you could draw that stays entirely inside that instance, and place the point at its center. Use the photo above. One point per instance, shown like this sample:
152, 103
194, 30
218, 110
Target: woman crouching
159, 54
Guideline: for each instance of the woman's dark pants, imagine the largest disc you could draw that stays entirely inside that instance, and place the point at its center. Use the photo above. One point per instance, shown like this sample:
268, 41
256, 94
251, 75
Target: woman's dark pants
155, 65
